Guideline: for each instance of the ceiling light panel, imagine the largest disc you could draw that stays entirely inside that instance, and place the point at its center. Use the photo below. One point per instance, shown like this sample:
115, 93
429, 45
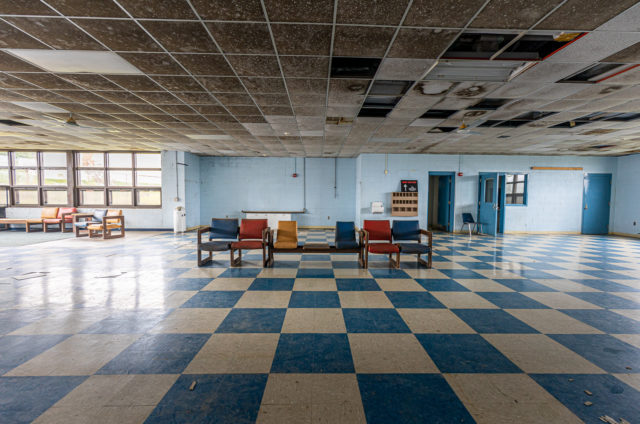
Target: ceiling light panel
76, 61
468, 70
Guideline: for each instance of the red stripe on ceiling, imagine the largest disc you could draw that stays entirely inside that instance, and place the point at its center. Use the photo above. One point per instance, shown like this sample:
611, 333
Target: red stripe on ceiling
565, 45
617, 73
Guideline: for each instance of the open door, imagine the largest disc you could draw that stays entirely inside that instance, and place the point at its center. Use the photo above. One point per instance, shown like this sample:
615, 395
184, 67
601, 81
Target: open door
444, 201
488, 202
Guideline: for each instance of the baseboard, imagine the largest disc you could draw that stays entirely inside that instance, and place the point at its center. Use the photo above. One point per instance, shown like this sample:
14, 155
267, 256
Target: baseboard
149, 229
317, 227
543, 232
625, 235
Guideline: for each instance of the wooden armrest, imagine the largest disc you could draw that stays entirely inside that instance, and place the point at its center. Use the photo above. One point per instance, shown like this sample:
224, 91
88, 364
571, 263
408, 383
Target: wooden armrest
77, 216
201, 231
364, 237
429, 235
270, 237
65, 215
106, 220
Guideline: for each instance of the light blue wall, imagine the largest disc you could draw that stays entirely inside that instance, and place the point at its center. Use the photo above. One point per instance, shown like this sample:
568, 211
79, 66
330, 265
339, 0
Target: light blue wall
230, 185
627, 198
192, 189
555, 197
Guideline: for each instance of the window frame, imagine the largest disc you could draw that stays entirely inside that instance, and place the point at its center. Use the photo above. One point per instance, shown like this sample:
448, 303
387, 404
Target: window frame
525, 193
73, 187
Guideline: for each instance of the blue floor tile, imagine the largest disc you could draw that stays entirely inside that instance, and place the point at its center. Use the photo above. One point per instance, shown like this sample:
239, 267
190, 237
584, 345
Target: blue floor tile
213, 299
374, 321
23, 399
13, 319
187, 283
314, 299
606, 285
508, 300
461, 273
315, 273
345, 264
492, 321
465, 353
241, 273
16, 350
224, 399
272, 284
441, 284
607, 275
313, 353
127, 322
534, 274
523, 285
607, 300
610, 396
476, 265
605, 320
254, 320
388, 273
315, 257
357, 284
157, 354
406, 299
410, 398
607, 352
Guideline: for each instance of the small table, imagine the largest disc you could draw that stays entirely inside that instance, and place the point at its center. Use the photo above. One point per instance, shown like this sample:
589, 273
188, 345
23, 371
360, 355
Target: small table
272, 217
21, 221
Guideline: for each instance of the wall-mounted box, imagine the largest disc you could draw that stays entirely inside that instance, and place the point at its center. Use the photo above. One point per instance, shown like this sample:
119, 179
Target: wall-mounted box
404, 204
377, 207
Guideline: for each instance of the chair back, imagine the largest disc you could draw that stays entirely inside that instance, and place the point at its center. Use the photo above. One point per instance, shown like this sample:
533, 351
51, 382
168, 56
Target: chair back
113, 212
49, 213
345, 231
225, 229
98, 214
379, 230
287, 231
406, 230
251, 229
467, 218
62, 211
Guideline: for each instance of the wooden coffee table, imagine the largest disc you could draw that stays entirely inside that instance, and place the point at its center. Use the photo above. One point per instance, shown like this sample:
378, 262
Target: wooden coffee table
20, 221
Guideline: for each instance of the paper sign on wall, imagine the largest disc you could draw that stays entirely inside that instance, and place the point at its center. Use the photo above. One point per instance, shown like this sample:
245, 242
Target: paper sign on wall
409, 186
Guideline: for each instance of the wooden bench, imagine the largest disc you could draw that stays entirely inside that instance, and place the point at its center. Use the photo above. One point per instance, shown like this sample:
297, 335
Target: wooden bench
20, 221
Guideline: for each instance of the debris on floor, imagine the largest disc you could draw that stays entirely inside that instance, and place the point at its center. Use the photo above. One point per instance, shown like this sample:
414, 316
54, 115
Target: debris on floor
114, 275
588, 393
587, 403
28, 275
193, 385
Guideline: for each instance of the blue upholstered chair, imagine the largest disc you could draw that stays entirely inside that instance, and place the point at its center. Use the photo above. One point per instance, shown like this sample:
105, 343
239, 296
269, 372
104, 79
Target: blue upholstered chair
345, 239
82, 220
405, 232
221, 234
467, 219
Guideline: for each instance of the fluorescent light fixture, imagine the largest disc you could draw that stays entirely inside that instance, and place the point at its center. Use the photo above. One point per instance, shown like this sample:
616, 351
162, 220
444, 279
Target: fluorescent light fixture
40, 107
475, 70
76, 61
210, 137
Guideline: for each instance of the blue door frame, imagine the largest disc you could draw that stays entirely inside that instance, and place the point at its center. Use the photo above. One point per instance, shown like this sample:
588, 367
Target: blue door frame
596, 203
452, 196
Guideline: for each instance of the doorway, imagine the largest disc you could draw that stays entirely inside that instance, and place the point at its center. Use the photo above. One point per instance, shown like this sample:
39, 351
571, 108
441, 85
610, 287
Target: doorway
596, 203
491, 201
441, 201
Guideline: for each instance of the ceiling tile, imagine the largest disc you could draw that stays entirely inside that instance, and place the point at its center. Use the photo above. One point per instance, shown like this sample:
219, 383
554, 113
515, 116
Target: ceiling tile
513, 14
311, 86
25, 7
210, 109
12, 63
154, 63
248, 38
451, 13
372, 12
135, 82
142, 108
178, 83
277, 110
255, 65
44, 80
13, 38
119, 35
89, 81
158, 9
264, 85
181, 36
270, 99
57, 32
305, 66
629, 55
229, 10
205, 64
81, 96
300, 10
236, 99
361, 41
244, 110
8, 81
157, 97
421, 43
42, 95
222, 84
121, 97
200, 98
584, 14
302, 39
403, 69
104, 8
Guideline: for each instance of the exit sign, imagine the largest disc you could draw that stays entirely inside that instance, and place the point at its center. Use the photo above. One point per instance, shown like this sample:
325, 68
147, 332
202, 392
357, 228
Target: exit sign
409, 186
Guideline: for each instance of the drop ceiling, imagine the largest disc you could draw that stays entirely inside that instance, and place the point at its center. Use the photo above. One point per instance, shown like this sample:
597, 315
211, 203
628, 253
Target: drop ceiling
323, 77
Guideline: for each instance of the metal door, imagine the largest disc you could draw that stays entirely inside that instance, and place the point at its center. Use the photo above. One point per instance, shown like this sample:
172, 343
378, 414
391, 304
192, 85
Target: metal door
596, 200
488, 202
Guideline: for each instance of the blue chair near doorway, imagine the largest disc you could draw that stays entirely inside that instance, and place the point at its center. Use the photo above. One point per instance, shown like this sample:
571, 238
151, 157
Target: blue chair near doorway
467, 219
409, 231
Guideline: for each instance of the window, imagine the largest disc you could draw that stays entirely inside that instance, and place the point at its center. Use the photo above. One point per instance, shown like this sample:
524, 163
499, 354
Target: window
119, 179
488, 190
516, 189
90, 179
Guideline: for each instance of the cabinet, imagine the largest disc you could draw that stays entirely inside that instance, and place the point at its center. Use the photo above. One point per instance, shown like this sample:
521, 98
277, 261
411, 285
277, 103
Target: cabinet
404, 204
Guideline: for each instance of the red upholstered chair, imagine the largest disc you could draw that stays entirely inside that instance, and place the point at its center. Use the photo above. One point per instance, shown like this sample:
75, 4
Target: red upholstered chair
254, 234
64, 216
379, 232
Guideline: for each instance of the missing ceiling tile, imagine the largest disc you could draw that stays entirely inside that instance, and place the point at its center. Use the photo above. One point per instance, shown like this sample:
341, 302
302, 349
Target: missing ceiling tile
354, 67
438, 114
390, 88
490, 104
596, 73
473, 45
374, 112
13, 123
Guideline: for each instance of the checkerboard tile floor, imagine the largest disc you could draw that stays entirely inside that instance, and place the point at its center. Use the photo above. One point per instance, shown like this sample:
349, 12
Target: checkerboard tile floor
507, 329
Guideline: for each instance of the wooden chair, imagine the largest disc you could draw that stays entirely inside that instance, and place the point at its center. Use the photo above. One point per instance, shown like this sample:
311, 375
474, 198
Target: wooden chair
64, 216
379, 231
254, 234
410, 231
222, 233
81, 221
113, 220
285, 240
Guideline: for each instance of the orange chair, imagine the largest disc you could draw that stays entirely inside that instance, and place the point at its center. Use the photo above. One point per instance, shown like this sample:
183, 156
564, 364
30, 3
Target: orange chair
286, 239
113, 220
63, 217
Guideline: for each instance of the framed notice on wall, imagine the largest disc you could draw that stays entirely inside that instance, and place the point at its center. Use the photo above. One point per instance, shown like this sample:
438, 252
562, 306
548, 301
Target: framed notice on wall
409, 186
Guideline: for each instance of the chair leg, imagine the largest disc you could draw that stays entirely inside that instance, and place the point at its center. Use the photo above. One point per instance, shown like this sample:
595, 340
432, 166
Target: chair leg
202, 262
429, 261
366, 259
398, 259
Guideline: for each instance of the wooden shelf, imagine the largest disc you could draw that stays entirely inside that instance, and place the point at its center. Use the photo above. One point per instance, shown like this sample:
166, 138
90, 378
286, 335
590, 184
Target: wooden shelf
404, 204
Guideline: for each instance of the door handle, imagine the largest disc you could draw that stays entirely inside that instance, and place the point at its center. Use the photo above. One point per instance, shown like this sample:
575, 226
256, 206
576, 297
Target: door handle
585, 206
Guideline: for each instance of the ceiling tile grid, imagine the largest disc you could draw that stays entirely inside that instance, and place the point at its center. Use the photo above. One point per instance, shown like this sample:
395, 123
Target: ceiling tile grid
323, 77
